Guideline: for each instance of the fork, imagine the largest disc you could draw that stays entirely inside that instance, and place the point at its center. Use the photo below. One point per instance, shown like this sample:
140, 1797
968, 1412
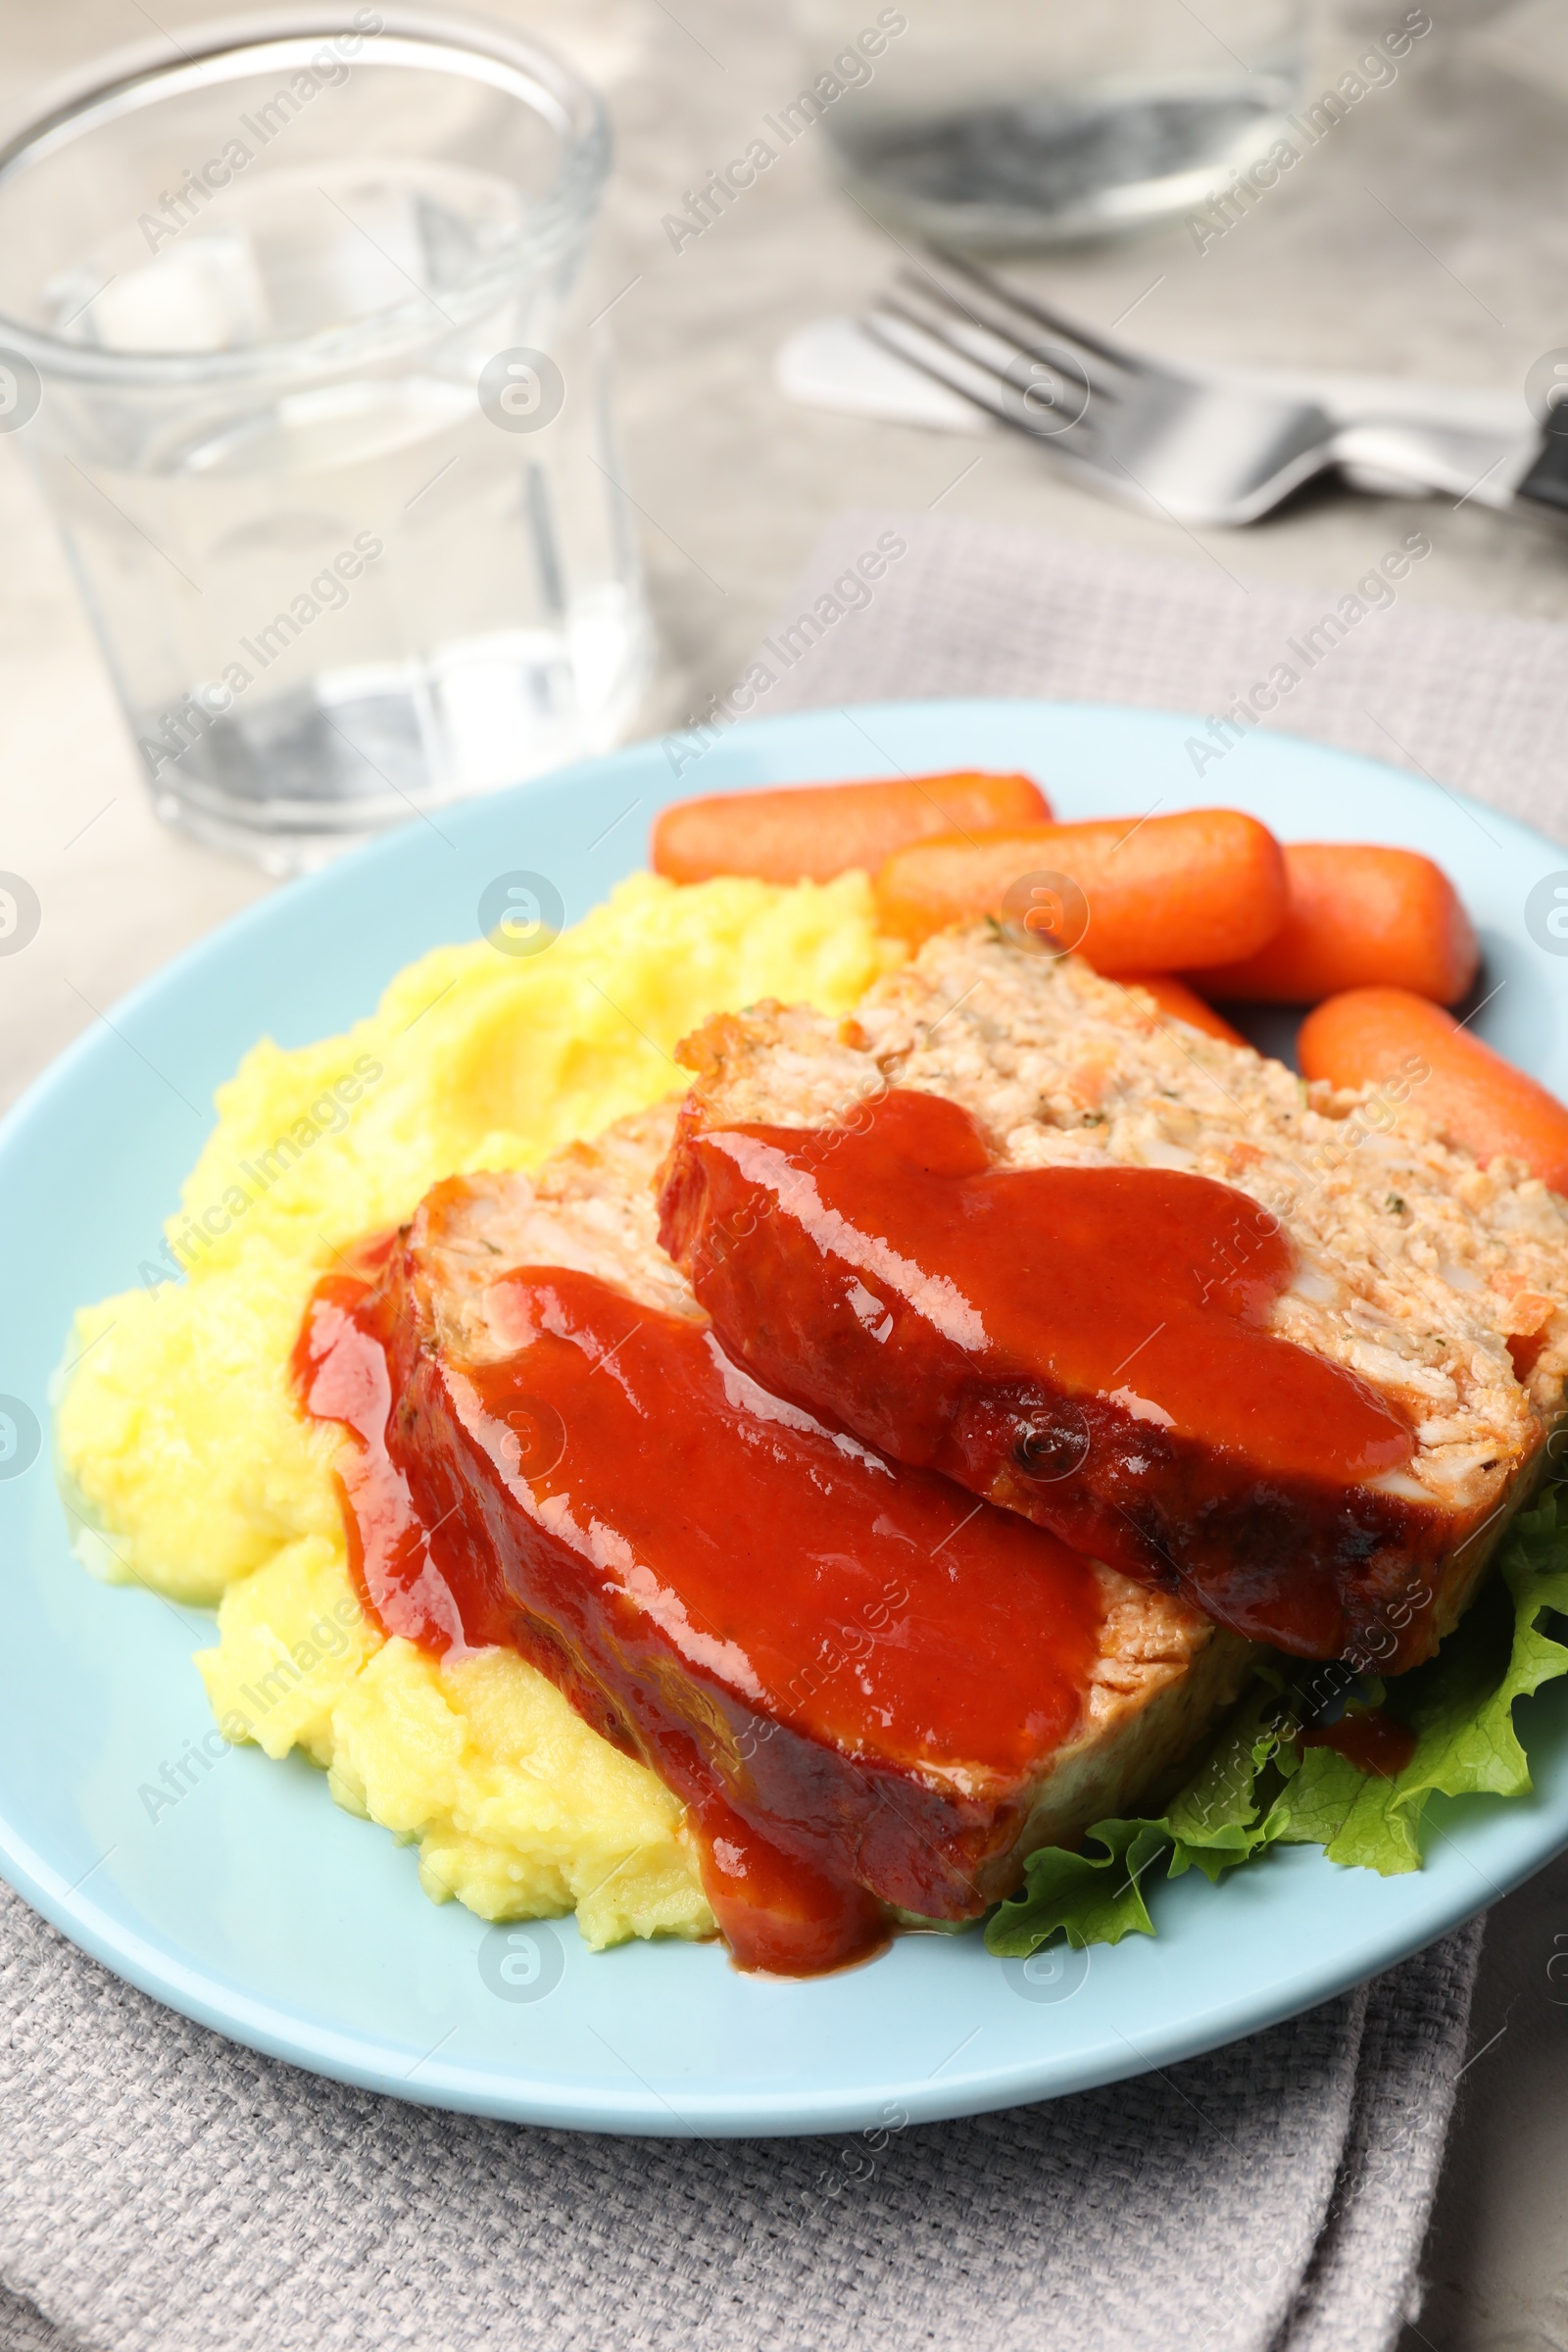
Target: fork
1164, 440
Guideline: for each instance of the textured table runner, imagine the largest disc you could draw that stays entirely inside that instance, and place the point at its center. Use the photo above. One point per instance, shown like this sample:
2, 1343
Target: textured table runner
160, 2188
1475, 701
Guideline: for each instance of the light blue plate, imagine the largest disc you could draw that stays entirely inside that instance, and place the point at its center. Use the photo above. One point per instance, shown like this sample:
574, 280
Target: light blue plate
258, 1908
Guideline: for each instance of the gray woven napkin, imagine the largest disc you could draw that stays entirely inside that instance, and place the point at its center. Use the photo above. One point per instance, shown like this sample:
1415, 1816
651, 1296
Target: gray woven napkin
1474, 701
163, 2189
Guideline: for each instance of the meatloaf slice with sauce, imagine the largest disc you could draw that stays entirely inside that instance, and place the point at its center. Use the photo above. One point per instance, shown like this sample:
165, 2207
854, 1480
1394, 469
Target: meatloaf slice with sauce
876, 1695
1276, 1348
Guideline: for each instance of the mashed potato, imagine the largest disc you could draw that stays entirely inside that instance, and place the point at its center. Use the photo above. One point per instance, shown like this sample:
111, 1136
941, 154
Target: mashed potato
188, 1466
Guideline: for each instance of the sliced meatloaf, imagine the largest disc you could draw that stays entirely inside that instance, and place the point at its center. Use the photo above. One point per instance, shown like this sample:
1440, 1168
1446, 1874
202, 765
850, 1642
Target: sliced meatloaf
874, 1695
1379, 1318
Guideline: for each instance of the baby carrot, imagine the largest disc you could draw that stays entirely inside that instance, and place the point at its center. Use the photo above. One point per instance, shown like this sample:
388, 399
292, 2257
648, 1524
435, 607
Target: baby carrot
1131, 896
1183, 1004
1376, 1036
811, 832
1358, 918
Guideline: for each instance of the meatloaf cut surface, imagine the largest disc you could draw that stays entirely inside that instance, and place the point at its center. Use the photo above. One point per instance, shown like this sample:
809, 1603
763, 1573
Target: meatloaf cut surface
874, 1695
1280, 1349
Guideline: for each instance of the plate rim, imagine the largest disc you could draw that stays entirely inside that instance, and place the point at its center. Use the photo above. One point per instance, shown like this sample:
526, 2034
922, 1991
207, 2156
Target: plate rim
212, 2000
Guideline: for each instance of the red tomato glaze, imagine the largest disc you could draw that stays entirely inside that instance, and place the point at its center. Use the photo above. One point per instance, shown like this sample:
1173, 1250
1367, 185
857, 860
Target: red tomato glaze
847, 1671
1087, 1345
1372, 1741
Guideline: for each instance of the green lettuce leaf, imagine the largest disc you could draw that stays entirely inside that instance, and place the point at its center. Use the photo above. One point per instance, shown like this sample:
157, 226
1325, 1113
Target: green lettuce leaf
1216, 1821
1094, 1899
1257, 1786
1351, 1814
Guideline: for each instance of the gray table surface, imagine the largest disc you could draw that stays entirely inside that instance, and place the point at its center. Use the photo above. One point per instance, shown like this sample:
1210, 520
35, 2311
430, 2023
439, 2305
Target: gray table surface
1427, 237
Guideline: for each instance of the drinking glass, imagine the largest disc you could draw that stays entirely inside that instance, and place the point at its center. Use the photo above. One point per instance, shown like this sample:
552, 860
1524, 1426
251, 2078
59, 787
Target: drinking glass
293, 331
997, 124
